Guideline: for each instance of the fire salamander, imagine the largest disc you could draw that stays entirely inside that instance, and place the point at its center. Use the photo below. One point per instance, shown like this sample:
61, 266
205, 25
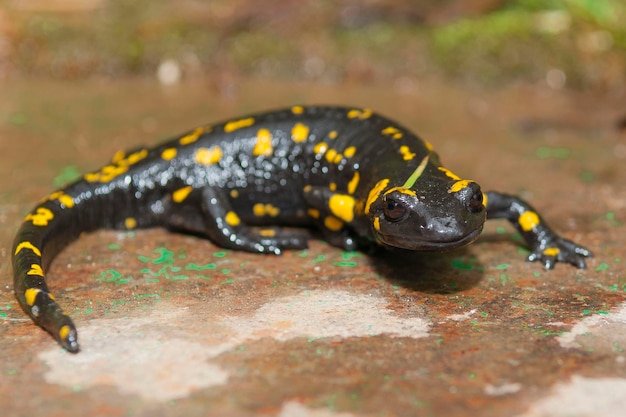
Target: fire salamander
359, 178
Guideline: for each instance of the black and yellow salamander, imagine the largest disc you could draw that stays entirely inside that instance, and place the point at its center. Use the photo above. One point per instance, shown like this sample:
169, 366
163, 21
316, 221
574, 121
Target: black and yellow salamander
358, 177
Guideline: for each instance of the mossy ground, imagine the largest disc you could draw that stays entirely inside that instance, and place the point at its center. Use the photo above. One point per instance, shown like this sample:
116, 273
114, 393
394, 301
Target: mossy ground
482, 42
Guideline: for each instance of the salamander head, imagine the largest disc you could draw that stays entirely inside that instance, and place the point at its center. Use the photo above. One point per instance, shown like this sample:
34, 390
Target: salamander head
440, 212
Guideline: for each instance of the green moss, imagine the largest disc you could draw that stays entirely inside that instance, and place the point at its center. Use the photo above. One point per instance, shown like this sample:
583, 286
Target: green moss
502, 45
263, 53
133, 37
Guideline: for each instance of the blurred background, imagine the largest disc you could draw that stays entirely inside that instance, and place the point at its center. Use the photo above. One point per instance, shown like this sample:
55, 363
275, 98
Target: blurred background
523, 96
577, 44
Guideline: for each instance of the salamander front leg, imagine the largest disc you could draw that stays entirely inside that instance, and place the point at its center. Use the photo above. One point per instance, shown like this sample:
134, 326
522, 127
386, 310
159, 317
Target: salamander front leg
224, 227
333, 213
546, 246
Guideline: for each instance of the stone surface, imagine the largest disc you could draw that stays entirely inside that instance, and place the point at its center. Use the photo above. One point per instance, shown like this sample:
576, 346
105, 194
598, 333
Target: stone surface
173, 325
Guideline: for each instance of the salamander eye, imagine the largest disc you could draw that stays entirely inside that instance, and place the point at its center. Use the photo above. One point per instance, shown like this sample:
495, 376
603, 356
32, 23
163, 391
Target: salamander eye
394, 211
475, 203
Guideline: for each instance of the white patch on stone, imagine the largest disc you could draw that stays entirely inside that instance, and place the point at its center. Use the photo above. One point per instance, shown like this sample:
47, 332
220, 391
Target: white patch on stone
504, 389
295, 409
583, 397
126, 354
463, 316
319, 314
605, 329
171, 360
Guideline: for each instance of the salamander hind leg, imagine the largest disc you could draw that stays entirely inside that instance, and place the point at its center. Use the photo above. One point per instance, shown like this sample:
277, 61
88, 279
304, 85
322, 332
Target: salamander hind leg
546, 245
212, 215
282, 238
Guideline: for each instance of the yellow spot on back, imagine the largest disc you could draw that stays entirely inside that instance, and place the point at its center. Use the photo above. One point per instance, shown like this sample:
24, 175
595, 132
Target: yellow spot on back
181, 194
35, 270
208, 156
267, 232
332, 186
528, 220
342, 206
338, 158
31, 295
320, 148
63, 198
407, 155
234, 193
375, 193
331, 154
332, 223
260, 209
360, 114
354, 182
349, 152
118, 156
263, 145
106, 173
459, 185
273, 211
169, 154
64, 332
392, 131
27, 245
315, 213
41, 217
66, 200
130, 223
297, 109
299, 132
92, 177
238, 124
109, 172
192, 137
232, 219
134, 157
449, 173
332, 134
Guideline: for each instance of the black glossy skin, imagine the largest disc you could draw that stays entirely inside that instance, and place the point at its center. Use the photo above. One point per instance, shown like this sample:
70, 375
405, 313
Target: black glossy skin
359, 178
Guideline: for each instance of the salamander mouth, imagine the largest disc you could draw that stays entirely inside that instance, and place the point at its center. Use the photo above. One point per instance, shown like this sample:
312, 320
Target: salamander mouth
423, 244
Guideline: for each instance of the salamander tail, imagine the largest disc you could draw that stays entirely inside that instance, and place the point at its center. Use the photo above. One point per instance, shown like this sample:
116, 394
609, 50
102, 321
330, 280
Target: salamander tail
36, 243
